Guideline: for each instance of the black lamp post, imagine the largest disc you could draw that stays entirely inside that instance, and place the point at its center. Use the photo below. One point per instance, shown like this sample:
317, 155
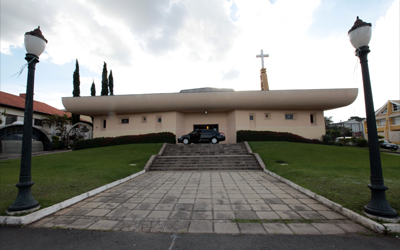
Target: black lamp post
360, 35
35, 43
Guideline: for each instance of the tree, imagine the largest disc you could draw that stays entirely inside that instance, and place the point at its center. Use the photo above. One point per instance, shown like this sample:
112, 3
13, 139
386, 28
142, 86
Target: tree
357, 118
76, 92
111, 83
58, 124
328, 120
104, 81
93, 89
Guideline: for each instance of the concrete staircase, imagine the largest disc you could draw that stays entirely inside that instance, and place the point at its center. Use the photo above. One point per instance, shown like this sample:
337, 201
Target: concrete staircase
205, 157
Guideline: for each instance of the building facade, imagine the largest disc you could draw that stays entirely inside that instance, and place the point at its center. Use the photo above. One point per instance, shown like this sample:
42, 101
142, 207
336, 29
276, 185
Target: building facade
388, 121
299, 112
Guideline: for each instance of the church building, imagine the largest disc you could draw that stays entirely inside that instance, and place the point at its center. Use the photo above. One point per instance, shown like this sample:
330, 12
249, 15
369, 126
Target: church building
299, 112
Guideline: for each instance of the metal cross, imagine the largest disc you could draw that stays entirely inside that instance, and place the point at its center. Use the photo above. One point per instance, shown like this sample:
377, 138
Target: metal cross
262, 58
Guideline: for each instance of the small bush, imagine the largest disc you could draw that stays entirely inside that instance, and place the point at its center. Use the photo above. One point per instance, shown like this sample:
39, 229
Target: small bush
250, 135
360, 142
127, 139
326, 139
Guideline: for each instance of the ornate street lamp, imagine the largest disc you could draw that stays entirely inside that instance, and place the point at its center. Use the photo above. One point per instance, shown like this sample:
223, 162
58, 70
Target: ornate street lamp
360, 35
35, 43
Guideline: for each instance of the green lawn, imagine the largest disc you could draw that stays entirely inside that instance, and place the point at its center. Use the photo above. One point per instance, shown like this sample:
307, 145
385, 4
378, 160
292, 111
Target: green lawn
58, 177
340, 174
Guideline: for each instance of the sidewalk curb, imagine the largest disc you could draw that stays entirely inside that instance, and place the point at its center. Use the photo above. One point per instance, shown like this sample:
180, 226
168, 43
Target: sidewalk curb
27, 219
379, 228
150, 161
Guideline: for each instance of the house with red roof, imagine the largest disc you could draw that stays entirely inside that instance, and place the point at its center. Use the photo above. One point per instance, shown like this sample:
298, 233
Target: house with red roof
12, 108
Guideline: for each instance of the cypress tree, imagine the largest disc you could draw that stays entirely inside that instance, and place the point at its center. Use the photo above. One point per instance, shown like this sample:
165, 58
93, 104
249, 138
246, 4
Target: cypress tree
76, 92
93, 89
104, 81
111, 83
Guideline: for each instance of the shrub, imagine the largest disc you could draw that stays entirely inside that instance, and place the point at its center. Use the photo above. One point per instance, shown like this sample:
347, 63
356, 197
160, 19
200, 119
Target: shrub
249, 135
360, 142
122, 140
326, 139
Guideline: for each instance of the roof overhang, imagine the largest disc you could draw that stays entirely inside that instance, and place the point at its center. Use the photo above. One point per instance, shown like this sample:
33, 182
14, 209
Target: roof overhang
314, 99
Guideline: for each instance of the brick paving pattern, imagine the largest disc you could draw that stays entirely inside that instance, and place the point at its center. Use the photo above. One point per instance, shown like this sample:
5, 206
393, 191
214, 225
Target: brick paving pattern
247, 202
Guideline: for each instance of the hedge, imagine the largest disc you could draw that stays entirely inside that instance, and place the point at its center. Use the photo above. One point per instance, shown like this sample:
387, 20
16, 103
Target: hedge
127, 139
250, 135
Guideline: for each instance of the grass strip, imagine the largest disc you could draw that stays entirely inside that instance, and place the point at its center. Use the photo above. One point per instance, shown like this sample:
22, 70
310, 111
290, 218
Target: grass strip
341, 174
61, 176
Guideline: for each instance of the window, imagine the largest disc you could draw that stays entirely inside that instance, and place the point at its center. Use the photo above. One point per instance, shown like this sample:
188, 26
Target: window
104, 123
267, 116
10, 119
396, 107
381, 123
144, 119
251, 118
289, 117
384, 111
159, 119
37, 122
125, 121
312, 118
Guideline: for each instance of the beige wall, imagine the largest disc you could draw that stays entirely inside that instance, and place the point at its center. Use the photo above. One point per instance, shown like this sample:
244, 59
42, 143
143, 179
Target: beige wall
228, 122
20, 117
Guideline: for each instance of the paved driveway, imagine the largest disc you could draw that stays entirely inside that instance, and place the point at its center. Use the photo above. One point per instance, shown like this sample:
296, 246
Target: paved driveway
203, 202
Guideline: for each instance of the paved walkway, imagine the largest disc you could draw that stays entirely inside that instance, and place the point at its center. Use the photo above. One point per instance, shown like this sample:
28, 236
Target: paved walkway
203, 202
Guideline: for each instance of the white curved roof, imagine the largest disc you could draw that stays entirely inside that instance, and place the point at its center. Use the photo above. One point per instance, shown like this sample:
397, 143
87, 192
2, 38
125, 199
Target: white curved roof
314, 99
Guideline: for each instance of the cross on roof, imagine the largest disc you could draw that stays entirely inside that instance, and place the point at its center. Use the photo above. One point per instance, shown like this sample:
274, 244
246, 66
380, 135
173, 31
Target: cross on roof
262, 58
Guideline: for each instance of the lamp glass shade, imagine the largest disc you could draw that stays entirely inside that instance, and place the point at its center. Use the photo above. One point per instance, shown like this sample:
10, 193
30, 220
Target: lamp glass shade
34, 45
360, 37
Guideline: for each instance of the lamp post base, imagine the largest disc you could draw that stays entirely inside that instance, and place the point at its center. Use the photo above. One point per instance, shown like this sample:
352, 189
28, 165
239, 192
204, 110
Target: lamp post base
24, 200
26, 211
378, 205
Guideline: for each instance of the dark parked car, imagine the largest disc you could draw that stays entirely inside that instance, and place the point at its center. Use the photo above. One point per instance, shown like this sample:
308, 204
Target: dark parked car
202, 135
388, 145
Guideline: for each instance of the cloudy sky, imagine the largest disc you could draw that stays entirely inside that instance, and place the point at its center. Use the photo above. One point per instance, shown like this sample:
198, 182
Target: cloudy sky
158, 46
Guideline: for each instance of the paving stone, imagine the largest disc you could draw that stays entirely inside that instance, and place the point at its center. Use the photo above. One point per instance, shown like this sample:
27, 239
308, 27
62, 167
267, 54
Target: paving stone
150, 227
152, 200
224, 215
191, 201
43, 221
159, 214
180, 215
291, 201
200, 226
283, 196
270, 201
64, 211
238, 201
303, 228
118, 212
204, 201
184, 207
129, 206
202, 207
202, 215
60, 221
241, 207
331, 215
103, 225
328, 228
109, 205
267, 215
310, 215
77, 212
251, 228
145, 206
91, 205
168, 199
221, 201
222, 207
261, 207
300, 196
319, 207
279, 207
235, 196
268, 196
246, 215
352, 227
173, 226
164, 207
255, 201
98, 212
127, 225
137, 214
81, 223
299, 207
277, 228
288, 215
226, 228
